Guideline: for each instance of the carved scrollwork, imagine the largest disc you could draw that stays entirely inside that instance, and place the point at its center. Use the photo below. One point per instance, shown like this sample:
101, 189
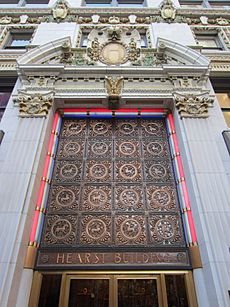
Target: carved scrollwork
191, 105
34, 104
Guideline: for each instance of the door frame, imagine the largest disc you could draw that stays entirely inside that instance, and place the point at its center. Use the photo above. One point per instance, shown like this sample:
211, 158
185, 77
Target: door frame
113, 276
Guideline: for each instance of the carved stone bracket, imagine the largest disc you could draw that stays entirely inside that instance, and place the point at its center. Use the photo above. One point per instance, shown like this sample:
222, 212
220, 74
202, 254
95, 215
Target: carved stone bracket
34, 104
113, 88
193, 106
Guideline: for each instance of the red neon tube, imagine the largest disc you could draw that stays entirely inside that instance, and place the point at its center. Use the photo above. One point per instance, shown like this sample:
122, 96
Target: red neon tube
40, 193
192, 227
184, 187
34, 226
42, 186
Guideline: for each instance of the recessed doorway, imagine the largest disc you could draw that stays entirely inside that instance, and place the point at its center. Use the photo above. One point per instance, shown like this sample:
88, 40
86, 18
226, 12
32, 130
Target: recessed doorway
109, 289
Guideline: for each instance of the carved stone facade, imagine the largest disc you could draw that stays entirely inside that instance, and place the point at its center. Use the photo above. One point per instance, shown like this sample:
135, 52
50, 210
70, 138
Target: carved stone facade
113, 186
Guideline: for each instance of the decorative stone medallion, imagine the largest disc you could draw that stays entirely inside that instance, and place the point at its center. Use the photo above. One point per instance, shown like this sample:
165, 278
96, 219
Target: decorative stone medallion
113, 53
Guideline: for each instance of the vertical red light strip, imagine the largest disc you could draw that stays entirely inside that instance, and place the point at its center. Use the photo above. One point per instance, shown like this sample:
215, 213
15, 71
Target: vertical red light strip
183, 183
42, 184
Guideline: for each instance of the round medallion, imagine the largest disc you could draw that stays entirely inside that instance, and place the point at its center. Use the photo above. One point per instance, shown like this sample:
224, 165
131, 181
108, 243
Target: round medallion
161, 198
126, 128
164, 229
129, 197
65, 198
69, 171
61, 229
127, 148
96, 228
130, 228
113, 53
157, 171
97, 197
152, 128
100, 148
74, 128
72, 148
100, 128
154, 148
128, 171
98, 171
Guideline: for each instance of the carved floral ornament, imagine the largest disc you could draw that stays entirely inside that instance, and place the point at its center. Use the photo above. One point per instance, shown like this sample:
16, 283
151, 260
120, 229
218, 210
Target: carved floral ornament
34, 104
193, 106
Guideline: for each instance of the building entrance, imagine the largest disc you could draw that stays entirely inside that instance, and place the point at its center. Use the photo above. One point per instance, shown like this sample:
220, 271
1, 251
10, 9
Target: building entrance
113, 217
108, 289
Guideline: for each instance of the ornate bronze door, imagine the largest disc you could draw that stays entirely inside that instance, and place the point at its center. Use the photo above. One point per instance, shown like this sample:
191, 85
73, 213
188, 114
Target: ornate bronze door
113, 290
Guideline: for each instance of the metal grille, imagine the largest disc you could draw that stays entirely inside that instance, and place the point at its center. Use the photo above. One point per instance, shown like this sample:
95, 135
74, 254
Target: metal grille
113, 188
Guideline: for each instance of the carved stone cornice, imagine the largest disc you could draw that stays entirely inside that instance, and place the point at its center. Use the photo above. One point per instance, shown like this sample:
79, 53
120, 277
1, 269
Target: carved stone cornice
193, 105
34, 104
81, 15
